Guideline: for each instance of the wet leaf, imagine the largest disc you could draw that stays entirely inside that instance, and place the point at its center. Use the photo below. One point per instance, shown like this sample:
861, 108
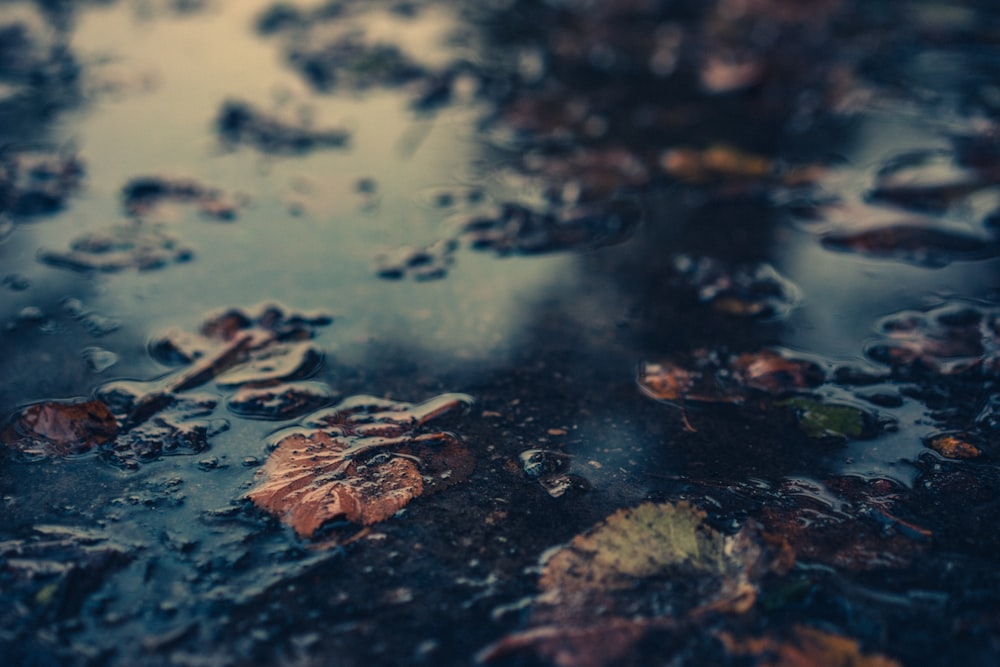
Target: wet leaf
744, 291
283, 401
954, 446
928, 181
594, 601
951, 339
50, 572
517, 229
237, 347
239, 122
60, 429
37, 182
847, 523
360, 461
127, 246
818, 419
709, 377
806, 647
142, 195
418, 263
920, 245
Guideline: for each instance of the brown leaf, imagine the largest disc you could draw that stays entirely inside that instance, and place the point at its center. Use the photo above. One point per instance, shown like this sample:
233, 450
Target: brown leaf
594, 601
947, 340
261, 346
954, 446
60, 429
920, 245
711, 378
360, 461
808, 647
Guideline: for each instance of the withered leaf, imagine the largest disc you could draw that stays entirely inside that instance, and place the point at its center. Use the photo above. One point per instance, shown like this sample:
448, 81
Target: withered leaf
260, 346
241, 123
56, 428
860, 534
360, 461
916, 244
745, 291
143, 194
711, 377
133, 245
806, 647
278, 402
594, 601
947, 340
954, 446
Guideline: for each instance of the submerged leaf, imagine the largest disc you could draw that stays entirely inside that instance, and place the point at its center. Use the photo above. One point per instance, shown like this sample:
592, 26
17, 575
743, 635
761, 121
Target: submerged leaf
360, 461
829, 420
954, 446
59, 429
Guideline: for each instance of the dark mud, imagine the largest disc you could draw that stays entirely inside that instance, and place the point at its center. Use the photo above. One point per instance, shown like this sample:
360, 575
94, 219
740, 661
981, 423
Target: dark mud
735, 254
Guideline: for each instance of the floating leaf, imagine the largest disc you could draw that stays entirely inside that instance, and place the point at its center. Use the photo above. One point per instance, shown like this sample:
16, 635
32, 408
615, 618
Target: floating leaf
954, 446
594, 601
236, 347
926, 181
517, 229
807, 646
54, 428
240, 123
744, 291
419, 263
829, 420
142, 195
921, 245
712, 378
132, 245
947, 340
360, 461
37, 182
283, 401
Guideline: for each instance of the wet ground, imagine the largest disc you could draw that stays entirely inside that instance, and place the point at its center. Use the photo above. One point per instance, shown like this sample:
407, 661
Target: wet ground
331, 332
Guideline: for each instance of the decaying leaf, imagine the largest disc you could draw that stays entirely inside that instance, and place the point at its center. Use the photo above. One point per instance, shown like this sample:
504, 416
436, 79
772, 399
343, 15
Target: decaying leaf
518, 229
132, 245
710, 377
237, 347
954, 446
927, 180
916, 244
947, 340
143, 194
49, 572
721, 164
745, 291
37, 182
240, 123
819, 419
360, 461
278, 402
56, 428
859, 532
807, 647
595, 593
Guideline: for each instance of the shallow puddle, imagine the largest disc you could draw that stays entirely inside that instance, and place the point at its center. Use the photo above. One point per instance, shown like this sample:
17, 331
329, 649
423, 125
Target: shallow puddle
330, 332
